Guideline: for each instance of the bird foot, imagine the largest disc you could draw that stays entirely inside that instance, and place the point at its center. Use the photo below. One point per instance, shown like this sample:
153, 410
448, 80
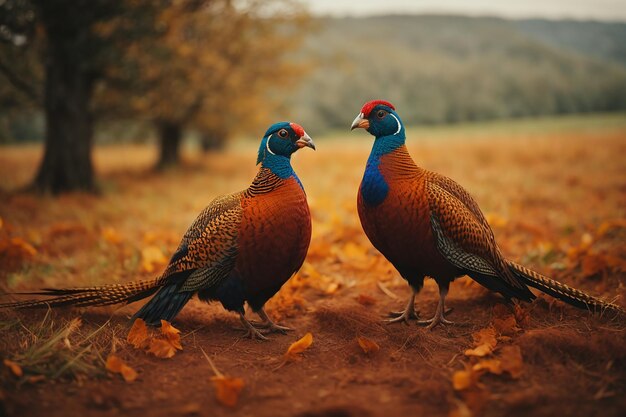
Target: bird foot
404, 316
253, 334
251, 331
271, 327
436, 320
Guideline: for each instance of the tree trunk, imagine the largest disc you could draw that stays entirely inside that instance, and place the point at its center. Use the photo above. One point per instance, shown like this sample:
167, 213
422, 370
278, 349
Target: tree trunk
66, 164
212, 141
170, 134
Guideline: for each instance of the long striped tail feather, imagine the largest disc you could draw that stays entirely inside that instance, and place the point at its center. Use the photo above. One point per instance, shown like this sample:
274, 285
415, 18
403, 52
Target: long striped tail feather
556, 289
89, 296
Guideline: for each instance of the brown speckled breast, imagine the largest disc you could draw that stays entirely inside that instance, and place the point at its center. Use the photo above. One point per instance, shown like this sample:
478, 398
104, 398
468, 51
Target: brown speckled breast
274, 237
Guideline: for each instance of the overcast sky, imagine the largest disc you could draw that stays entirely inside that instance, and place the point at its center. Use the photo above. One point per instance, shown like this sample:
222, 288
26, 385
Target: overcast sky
612, 10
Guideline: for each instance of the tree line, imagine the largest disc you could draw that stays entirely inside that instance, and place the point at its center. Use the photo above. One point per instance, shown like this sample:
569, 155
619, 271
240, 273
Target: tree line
176, 64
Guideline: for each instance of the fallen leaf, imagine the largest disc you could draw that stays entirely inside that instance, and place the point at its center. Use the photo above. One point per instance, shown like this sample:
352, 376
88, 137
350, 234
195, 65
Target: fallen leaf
299, 346
227, 389
465, 379
367, 345
36, 378
151, 257
14, 367
128, 373
512, 361
332, 288
506, 326
117, 366
138, 335
172, 334
162, 348
493, 366
366, 300
484, 342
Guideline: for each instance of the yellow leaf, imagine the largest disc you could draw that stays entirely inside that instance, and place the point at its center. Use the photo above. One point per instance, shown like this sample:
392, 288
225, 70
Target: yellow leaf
482, 350
367, 345
299, 346
14, 367
512, 361
151, 257
172, 334
332, 288
138, 335
162, 348
227, 389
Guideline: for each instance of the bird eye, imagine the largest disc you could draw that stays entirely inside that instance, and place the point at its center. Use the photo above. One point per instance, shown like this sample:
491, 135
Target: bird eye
283, 133
381, 114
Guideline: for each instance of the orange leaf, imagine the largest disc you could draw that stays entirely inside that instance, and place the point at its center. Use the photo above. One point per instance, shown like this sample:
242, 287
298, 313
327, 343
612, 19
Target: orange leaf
462, 380
512, 361
114, 364
484, 342
128, 373
227, 389
490, 365
506, 326
368, 345
172, 334
299, 346
14, 367
162, 348
117, 366
138, 335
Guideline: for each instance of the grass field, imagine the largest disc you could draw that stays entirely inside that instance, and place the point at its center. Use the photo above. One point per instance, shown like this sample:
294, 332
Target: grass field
554, 190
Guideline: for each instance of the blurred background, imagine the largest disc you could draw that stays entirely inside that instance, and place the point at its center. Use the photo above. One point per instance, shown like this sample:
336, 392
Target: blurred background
198, 74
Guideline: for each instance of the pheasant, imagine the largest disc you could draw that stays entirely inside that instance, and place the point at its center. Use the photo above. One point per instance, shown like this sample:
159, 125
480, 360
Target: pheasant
241, 248
426, 224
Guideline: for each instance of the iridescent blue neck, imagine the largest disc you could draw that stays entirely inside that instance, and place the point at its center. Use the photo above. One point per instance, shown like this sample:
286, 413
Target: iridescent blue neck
385, 144
279, 165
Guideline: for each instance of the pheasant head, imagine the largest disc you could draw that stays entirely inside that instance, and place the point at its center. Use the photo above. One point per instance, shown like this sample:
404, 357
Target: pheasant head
380, 119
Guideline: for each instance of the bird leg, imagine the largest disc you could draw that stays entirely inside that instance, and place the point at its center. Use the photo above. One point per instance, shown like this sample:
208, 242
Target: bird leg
251, 331
408, 313
438, 318
268, 325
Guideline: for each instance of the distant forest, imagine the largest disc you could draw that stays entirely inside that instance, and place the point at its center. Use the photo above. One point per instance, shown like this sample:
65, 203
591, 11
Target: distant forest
447, 69
436, 69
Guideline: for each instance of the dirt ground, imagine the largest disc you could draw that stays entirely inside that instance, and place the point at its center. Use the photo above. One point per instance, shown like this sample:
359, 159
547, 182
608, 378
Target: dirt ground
557, 203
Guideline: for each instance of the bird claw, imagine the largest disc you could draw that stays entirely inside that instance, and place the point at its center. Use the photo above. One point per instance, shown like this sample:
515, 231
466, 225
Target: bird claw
432, 323
271, 327
253, 334
402, 316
